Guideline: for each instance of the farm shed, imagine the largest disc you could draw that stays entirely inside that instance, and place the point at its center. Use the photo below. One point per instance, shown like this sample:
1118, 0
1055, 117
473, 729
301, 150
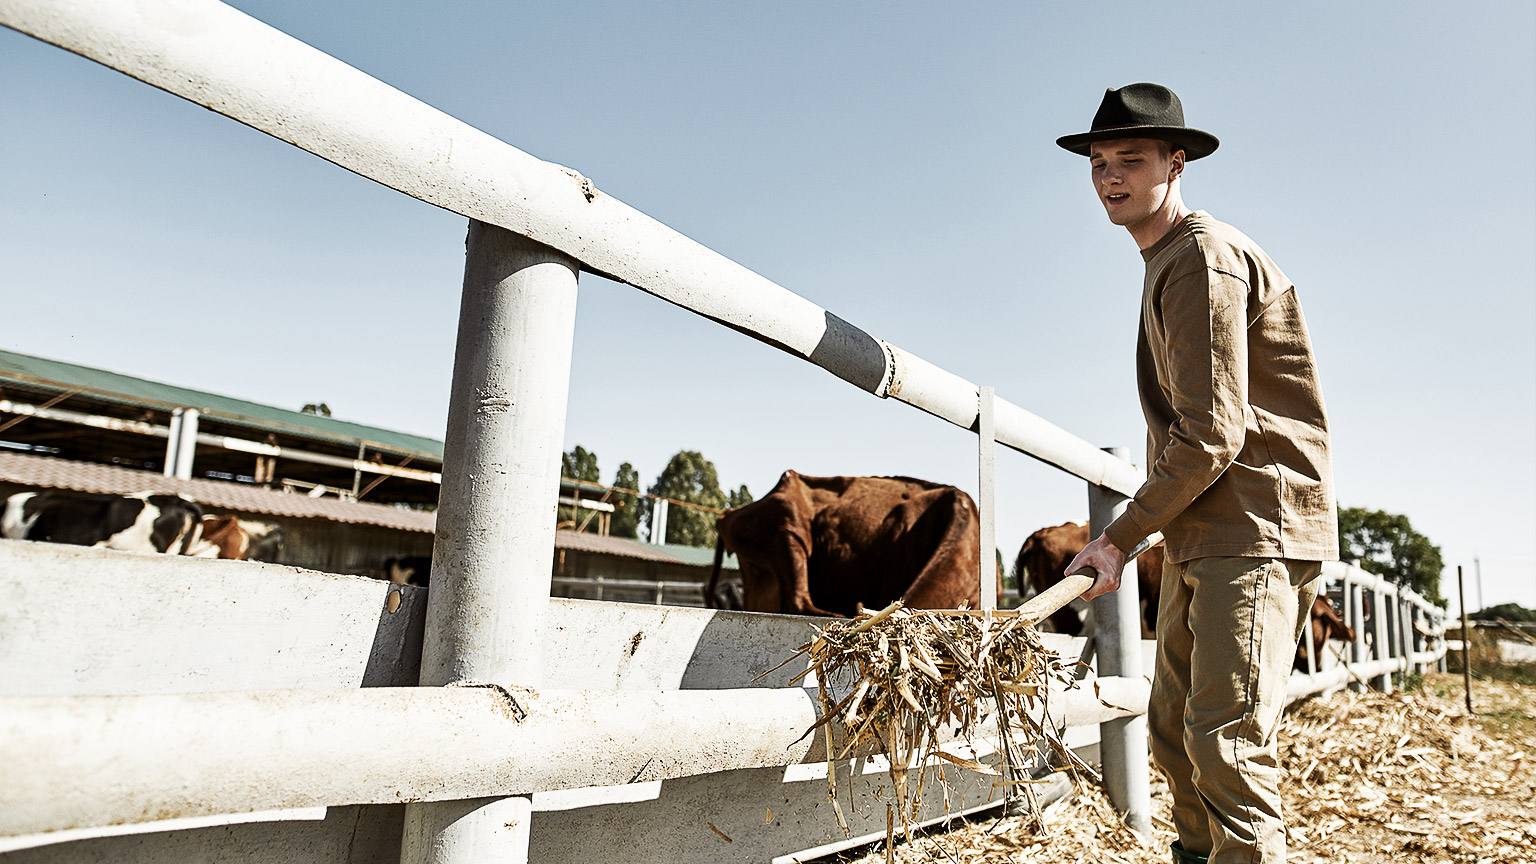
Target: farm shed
84, 414
594, 567
355, 537
318, 533
1508, 642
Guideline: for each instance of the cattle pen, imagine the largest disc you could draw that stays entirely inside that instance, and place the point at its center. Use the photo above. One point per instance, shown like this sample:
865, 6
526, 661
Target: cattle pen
208, 717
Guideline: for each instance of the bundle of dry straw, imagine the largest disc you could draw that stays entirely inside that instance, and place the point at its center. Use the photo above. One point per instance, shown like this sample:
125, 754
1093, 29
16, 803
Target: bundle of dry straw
899, 676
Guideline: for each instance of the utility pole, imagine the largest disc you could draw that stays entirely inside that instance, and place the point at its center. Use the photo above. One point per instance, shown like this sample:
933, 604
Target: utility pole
1477, 567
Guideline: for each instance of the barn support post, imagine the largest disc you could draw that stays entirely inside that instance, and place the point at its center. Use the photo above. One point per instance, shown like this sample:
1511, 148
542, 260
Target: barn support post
986, 494
186, 443
495, 520
1117, 627
172, 443
357, 472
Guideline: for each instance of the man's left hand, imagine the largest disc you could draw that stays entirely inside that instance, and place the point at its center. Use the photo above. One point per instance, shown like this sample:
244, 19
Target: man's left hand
1106, 559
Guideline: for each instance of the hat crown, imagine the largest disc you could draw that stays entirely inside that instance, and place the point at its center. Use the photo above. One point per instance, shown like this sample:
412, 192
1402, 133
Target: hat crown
1142, 111
1138, 105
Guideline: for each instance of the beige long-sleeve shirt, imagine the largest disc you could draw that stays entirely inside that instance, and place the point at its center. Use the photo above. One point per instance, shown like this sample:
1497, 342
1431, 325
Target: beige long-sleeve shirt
1237, 436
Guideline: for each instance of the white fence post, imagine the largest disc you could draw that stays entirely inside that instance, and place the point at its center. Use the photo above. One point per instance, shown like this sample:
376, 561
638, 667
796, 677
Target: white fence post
1382, 681
1356, 621
496, 513
1117, 628
1415, 640
986, 495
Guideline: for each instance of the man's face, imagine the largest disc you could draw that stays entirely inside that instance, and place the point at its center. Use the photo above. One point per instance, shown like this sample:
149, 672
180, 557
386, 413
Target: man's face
1132, 176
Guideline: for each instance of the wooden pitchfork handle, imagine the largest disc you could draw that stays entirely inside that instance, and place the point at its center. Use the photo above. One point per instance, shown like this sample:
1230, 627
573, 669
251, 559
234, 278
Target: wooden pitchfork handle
1043, 604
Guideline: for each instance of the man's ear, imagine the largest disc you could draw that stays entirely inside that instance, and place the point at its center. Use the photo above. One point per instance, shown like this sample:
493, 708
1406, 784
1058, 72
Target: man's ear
1176, 167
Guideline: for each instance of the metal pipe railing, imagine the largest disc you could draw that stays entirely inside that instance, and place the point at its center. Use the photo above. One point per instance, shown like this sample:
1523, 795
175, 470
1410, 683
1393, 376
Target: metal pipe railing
497, 470
80, 761
1117, 629
495, 542
255, 74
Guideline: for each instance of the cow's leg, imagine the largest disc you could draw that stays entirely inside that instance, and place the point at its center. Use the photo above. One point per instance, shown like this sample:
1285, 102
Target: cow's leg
795, 581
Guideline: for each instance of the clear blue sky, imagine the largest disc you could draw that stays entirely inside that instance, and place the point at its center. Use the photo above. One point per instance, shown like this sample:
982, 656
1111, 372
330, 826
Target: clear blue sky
891, 162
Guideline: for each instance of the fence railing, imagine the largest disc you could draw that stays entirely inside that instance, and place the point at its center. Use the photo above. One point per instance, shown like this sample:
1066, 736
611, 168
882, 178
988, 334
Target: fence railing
534, 226
1396, 632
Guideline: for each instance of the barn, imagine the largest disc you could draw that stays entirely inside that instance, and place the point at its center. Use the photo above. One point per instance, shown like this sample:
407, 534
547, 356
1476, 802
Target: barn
347, 497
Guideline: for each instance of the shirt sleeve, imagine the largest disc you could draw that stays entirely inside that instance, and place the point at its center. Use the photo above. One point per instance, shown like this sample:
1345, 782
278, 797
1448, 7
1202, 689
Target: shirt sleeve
1204, 316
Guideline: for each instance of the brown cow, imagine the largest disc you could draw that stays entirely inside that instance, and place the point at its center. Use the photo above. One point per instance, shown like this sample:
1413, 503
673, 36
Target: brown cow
1324, 623
828, 545
1043, 560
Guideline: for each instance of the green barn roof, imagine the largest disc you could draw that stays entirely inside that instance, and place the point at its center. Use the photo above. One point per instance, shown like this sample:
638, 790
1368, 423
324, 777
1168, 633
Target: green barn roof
24, 369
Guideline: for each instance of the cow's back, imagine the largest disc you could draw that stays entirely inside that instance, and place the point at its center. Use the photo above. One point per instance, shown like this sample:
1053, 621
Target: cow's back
79, 519
880, 539
144, 522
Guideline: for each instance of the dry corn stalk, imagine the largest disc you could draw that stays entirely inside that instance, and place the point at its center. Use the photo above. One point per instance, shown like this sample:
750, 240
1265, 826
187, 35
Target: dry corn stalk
898, 677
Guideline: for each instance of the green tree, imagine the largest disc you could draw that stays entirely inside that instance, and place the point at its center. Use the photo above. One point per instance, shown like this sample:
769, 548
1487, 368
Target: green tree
578, 464
739, 497
1386, 544
691, 478
626, 514
1512, 612
319, 409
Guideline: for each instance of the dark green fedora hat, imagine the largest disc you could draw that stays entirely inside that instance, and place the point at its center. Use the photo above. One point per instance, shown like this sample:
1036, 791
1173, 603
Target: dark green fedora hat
1142, 111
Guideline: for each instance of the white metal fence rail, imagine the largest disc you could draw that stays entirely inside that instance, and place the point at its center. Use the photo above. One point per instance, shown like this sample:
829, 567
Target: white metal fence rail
534, 225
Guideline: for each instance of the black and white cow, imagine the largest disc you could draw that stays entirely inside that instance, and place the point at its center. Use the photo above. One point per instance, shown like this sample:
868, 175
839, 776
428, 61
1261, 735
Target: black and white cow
265, 541
237, 539
145, 522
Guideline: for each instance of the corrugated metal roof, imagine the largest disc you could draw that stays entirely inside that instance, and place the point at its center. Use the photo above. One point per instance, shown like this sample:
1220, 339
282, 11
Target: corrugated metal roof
621, 546
697, 555
46, 472
667, 554
125, 389
51, 473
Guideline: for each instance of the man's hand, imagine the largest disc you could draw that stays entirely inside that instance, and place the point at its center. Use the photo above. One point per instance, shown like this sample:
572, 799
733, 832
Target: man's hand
1106, 559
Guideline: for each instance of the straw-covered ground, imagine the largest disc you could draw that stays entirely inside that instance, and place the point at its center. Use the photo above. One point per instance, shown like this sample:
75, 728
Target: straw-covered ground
1405, 777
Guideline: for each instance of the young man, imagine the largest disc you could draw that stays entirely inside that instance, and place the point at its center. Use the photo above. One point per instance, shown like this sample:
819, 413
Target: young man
1240, 481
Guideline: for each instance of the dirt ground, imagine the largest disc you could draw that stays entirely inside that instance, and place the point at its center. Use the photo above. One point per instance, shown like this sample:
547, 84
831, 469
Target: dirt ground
1405, 777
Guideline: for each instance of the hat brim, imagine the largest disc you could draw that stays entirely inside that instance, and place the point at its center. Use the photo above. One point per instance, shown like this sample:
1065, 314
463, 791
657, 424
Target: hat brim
1195, 143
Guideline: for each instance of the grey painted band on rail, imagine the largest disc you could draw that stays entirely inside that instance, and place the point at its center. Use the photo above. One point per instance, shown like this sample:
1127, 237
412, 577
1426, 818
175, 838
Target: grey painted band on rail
224, 60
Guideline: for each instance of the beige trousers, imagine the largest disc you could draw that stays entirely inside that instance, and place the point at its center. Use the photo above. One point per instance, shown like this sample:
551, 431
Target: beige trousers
1226, 635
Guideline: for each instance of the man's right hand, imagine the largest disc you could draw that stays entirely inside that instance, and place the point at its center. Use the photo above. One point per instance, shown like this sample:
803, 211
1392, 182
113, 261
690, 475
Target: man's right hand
1106, 559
